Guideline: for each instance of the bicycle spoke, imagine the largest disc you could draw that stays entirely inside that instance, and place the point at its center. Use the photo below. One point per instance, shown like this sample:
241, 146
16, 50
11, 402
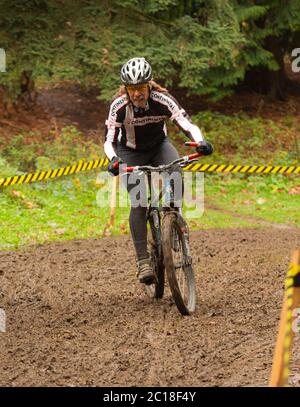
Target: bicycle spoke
182, 273
183, 285
181, 282
179, 263
178, 266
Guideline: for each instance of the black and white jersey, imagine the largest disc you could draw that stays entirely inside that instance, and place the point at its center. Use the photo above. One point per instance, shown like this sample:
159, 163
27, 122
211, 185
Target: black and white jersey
143, 129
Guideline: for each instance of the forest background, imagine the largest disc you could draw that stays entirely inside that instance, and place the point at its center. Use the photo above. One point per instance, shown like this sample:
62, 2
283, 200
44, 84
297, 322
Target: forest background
231, 64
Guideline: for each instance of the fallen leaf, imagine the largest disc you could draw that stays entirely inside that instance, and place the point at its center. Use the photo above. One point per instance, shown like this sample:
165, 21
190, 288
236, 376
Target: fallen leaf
59, 231
52, 224
100, 183
29, 205
261, 201
83, 212
77, 183
295, 190
17, 194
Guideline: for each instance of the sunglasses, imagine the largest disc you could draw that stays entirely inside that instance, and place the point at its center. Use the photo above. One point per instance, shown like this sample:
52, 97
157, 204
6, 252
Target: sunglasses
139, 88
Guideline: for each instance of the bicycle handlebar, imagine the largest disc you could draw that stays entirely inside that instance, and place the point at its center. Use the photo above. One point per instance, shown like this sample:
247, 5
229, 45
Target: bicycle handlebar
191, 144
182, 161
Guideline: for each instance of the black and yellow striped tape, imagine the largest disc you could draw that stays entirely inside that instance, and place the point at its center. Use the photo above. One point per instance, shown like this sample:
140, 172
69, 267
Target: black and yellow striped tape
249, 169
103, 162
290, 283
50, 174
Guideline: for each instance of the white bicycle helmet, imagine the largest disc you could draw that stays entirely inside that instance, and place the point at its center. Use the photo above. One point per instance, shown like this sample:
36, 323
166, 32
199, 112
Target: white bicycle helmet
136, 71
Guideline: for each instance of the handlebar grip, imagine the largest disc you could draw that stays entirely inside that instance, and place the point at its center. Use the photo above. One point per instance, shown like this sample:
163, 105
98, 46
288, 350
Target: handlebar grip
127, 169
196, 155
191, 144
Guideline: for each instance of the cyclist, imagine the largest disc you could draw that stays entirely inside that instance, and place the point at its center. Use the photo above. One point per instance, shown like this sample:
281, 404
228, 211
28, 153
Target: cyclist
136, 134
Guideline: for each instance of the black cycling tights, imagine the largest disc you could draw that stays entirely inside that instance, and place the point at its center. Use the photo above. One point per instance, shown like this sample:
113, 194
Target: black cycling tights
164, 153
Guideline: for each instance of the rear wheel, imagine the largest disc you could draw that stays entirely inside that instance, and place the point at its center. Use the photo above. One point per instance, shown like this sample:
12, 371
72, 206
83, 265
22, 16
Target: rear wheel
178, 262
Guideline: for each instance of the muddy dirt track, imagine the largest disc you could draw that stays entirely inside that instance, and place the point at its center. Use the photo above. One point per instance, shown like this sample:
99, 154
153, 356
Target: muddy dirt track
77, 317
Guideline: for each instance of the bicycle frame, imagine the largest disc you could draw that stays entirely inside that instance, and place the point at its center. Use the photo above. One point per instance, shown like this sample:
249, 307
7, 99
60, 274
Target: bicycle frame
154, 210
164, 237
181, 162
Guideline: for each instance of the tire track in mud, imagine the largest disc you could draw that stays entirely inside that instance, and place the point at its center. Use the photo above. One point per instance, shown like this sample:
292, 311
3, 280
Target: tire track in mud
77, 317
255, 220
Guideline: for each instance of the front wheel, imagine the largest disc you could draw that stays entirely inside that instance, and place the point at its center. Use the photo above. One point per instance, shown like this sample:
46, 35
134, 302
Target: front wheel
155, 290
177, 262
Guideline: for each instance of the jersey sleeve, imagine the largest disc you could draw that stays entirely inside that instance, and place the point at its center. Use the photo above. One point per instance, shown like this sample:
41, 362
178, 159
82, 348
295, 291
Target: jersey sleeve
177, 114
113, 125
189, 129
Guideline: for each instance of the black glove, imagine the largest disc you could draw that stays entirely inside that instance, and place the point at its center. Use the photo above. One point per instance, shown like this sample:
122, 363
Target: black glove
114, 171
205, 148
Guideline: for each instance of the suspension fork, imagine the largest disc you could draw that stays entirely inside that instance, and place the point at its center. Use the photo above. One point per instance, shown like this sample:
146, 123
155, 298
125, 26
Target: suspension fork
153, 216
154, 220
187, 257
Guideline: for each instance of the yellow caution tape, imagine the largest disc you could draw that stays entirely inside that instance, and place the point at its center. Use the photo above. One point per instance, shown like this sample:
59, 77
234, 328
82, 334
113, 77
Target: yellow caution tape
251, 169
58, 172
103, 162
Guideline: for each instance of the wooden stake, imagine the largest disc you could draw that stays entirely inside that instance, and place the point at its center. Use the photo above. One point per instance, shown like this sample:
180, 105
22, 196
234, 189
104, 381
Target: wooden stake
113, 201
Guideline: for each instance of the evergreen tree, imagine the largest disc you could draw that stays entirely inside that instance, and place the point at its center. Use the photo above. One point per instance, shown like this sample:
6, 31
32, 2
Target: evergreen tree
272, 29
204, 46
192, 44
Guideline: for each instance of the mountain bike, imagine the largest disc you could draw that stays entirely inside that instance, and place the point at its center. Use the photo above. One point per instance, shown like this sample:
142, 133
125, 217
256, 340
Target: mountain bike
168, 240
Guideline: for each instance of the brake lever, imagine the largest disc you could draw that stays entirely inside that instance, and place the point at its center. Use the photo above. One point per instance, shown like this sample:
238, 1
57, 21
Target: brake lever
186, 162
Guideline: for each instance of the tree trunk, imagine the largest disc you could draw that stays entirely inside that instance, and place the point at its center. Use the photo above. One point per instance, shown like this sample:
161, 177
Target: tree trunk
262, 80
276, 80
6, 104
28, 95
26, 98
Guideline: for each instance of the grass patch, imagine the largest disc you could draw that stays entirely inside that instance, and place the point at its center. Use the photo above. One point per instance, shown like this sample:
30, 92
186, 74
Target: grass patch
271, 198
67, 208
57, 210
